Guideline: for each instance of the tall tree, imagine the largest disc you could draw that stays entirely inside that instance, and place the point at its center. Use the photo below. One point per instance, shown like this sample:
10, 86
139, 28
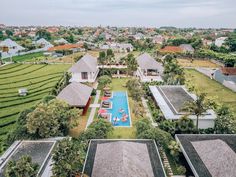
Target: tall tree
225, 121
102, 59
52, 119
68, 158
197, 107
43, 34
24, 167
173, 74
131, 63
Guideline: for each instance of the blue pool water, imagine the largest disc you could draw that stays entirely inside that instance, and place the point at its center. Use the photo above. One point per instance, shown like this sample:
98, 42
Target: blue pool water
119, 101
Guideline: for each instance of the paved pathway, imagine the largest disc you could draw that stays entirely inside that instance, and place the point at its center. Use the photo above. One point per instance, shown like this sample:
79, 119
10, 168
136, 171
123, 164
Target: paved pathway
92, 113
148, 113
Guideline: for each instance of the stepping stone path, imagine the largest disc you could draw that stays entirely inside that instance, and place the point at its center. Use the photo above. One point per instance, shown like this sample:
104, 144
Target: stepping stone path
166, 162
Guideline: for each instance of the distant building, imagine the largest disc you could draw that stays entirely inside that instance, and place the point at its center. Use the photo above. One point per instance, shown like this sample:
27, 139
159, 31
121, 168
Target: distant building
85, 70
10, 48
171, 99
43, 43
139, 36
226, 76
187, 48
171, 49
158, 39
220, 41
61, 41
148, 68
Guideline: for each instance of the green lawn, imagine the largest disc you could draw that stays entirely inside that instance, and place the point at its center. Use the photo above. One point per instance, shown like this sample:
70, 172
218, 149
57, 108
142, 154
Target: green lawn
212, 88
27, 57
38, 79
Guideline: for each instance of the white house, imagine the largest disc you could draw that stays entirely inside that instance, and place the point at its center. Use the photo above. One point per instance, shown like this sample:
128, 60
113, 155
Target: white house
220, 41
148, 68
159, 39
10, 48
43, 43
85, 70
61, 41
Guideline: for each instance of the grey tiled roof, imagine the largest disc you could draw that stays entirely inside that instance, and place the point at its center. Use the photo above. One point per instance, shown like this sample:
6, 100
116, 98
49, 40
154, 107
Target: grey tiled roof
76, 94
145, 61
87, 63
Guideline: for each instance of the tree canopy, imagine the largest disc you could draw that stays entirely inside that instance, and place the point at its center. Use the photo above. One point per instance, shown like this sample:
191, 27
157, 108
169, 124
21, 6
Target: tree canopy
51, 119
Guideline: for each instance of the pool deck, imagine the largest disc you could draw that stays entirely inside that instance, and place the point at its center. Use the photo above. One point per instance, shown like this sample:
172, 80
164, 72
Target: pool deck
93, 111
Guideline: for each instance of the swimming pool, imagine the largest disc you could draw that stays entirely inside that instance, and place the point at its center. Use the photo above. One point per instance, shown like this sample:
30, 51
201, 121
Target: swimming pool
120, 101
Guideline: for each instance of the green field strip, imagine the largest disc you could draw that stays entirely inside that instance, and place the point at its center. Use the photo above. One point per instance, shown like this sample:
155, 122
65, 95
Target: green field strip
9, 115
31, 89
19, 68
18, 102
23, 72
6, 129
7, 121
26, 84
28, 78
25, 97
10, 66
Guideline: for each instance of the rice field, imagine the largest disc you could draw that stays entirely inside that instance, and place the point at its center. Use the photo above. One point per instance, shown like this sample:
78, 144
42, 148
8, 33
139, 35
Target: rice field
39, 81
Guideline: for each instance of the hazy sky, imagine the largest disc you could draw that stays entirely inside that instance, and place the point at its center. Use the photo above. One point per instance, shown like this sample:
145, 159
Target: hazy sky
179, 13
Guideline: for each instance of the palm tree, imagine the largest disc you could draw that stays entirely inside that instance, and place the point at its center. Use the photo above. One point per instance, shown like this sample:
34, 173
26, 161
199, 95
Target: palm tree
102, 59
197, 107
131, 63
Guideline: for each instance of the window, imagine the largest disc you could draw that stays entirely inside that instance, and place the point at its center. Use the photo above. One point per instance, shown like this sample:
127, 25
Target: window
84, 75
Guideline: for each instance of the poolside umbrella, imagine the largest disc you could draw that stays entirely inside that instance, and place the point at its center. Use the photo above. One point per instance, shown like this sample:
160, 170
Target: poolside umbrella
104, 98
101, 111
106, 88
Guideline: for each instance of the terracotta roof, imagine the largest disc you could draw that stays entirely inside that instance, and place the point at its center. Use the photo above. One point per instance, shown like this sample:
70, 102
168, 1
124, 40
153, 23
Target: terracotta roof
228, 70
65, 47
171, 49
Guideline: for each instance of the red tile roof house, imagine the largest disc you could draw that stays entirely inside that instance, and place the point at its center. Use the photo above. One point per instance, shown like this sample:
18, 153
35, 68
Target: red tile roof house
171, 49
226, 76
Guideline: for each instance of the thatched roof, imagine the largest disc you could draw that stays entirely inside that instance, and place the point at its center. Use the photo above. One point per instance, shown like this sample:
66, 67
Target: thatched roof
87, 63
76, 94
145, 61
122, 158
217, 156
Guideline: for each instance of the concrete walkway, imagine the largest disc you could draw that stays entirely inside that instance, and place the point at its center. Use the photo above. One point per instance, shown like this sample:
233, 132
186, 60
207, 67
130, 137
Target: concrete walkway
148, 113
92, 113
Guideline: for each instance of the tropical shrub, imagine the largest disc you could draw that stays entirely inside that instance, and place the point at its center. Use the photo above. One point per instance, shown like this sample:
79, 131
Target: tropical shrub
24, 167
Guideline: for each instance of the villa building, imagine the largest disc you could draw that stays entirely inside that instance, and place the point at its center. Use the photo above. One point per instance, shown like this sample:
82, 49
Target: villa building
172, 99
85, 70
76, 95
148, 68
115, 158
209, 155
220, 41
9, 48
40, 152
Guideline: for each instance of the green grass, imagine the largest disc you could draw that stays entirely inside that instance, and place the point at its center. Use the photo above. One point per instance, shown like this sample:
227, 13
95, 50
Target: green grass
38, 79
27, 57
212, 88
